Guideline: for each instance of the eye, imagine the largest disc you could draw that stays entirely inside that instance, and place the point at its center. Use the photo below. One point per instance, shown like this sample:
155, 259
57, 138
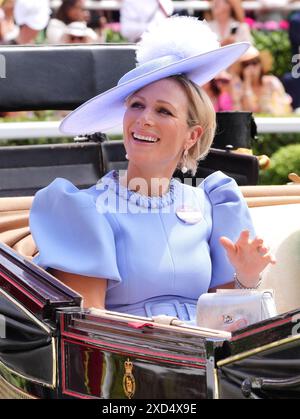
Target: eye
165, 111
136, 104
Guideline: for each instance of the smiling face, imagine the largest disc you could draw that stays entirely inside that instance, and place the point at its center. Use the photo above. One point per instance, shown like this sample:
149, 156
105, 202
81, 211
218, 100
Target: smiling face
156, 130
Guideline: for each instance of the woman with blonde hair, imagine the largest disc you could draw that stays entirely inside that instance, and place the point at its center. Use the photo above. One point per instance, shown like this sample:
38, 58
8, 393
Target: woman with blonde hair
140, 242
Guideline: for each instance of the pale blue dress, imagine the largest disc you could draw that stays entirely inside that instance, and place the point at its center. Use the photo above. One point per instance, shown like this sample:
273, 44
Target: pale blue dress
155, 262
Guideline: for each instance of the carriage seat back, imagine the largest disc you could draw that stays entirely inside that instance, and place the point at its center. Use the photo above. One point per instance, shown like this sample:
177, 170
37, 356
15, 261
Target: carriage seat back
60, 77
279, 225
26, 169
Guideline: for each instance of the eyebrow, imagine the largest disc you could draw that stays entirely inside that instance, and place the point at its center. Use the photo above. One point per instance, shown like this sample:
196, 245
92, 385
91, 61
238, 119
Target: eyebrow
159, 100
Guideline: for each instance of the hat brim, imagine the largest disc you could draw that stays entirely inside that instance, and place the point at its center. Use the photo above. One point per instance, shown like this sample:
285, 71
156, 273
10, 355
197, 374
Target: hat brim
105, 111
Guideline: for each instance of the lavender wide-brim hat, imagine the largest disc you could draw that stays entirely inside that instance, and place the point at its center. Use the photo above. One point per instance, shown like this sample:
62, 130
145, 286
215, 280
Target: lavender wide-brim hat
165, 50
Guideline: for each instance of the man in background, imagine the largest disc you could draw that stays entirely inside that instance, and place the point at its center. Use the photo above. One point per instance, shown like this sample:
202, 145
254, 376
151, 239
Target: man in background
137, 15
31, 16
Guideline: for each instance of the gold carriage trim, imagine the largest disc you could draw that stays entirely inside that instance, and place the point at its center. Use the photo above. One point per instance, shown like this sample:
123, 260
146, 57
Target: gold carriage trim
255, 351
129, 380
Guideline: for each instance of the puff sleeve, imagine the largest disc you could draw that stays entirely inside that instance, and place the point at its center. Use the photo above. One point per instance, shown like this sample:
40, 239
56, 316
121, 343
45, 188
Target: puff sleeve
230, 216
71, 235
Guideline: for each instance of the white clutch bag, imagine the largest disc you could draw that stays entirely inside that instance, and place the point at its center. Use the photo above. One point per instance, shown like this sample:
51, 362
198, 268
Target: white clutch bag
225, 307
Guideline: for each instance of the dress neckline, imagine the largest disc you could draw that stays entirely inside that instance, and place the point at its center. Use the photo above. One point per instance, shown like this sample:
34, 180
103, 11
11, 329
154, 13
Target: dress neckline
112, 180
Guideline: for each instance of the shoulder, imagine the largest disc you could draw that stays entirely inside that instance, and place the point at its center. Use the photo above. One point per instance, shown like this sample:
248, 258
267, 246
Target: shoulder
63, 200
54, 30
216, 180
221, 188
62, 191
271, 81
243, 32
56, 23
92, 34
62, 209
243, 26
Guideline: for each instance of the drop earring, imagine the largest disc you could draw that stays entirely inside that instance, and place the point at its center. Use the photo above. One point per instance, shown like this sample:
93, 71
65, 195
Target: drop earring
184, 169
126, 156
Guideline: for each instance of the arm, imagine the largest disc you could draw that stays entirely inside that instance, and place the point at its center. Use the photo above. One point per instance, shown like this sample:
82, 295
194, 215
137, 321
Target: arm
279, 100
92, 289
250, 101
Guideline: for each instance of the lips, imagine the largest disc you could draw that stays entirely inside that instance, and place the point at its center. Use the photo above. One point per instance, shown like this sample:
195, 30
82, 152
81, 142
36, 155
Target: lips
144, 138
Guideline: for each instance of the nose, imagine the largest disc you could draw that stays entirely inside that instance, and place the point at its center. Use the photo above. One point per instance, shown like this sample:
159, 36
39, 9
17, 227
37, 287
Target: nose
146, 118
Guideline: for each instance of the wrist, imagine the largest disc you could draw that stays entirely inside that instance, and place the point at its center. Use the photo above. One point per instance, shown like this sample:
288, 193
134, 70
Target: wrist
241, 282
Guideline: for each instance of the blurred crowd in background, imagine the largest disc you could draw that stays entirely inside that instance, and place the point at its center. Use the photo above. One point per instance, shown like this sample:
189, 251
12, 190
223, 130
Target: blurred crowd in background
257, 83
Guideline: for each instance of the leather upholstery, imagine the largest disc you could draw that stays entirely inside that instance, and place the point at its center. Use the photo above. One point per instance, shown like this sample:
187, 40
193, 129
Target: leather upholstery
14, 228
62, 77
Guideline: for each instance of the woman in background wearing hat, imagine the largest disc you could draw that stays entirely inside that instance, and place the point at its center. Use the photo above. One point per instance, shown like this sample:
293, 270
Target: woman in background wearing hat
141, 242
69, 11
260, 92
219, 91
77, 33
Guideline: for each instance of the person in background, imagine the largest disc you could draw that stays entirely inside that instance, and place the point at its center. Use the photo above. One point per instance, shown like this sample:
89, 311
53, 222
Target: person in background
227, 22
271, 10
31, 16
99, 21
220, 91
69, 11
76, 33
260, 92
9, 31
137, 15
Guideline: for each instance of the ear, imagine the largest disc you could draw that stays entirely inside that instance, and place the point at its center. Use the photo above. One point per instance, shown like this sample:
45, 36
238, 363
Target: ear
194, 136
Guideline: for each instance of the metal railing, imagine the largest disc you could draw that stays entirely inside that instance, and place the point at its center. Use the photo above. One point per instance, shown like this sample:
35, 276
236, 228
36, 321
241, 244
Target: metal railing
50, 129
195, 5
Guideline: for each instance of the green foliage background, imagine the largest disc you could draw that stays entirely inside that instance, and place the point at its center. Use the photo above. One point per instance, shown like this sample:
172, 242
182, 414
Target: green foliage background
278, 43
284, 161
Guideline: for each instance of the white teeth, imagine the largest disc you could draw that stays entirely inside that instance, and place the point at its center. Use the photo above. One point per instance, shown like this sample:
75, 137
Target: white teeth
144, 138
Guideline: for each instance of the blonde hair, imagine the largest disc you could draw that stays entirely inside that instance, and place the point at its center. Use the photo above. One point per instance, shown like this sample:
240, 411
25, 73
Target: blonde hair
200, 112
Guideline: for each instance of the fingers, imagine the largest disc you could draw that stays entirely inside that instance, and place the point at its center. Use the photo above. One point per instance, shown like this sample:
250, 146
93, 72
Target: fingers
263, 250
269, 258
244, 238
257, 242
227, 244
255, 246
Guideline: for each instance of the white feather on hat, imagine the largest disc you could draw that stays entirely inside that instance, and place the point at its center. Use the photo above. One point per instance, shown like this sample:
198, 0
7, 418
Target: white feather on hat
178, 36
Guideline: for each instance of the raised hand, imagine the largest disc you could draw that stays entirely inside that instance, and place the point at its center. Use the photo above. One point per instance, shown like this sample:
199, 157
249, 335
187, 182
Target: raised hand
249, 257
